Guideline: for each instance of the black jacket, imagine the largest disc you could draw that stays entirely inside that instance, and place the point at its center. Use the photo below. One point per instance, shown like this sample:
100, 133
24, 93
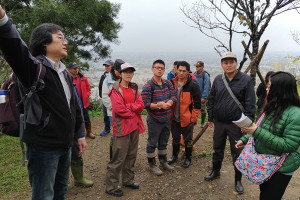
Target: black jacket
221, 105
58, 124
104, 75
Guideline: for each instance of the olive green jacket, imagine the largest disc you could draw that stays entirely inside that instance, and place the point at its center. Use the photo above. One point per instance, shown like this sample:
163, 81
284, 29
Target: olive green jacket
286, 139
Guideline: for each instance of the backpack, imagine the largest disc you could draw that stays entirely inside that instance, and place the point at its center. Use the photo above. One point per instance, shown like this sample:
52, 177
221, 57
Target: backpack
13, 111
10, 110
152, 85
203, 76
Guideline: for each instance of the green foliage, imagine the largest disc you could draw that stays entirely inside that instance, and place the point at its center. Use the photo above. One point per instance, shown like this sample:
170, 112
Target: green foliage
95, 108
144, 112
5, 71
13, 177
89, 25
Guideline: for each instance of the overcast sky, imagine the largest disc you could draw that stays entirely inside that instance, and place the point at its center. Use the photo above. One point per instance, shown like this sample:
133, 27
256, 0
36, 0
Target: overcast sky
158, 26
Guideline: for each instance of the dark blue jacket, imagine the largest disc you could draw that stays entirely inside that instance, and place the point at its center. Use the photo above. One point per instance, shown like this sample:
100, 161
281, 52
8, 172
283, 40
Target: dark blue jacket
221, 105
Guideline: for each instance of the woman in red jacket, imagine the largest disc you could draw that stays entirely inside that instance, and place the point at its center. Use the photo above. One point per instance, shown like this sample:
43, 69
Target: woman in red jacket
127, 106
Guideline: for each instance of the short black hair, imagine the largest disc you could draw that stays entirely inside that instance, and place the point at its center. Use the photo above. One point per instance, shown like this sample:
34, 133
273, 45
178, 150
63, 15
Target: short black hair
175, 63
42, 35
185, 64
158, 61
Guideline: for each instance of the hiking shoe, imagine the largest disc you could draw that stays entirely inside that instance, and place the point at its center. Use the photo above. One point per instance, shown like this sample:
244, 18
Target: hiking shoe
104, 133
116, 193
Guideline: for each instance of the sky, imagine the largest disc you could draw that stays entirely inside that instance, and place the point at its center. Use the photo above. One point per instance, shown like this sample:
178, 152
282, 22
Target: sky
160, 26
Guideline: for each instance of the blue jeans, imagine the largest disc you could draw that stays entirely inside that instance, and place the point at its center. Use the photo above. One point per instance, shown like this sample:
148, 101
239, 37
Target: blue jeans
106, 120
48, 171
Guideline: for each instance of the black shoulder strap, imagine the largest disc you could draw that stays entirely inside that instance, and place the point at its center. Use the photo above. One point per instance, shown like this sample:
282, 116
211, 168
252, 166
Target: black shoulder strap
232, 95
37, 86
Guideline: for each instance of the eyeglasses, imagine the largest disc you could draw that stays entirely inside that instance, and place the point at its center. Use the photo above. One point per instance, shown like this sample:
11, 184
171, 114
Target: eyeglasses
198, 66
159, 68
62, 39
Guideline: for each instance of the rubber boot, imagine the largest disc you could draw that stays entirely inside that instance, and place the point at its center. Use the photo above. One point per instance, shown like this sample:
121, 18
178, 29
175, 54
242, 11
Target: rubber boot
88, 127
77, 171
238, 181
176, 148
163, 162
153, 167
188, 156
203, 115
215, 173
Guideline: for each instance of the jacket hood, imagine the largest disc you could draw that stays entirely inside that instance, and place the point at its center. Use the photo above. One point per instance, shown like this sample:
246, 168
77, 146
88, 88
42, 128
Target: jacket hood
116, 87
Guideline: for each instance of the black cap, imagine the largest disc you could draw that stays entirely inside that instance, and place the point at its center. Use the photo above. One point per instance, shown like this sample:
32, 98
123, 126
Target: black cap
117, 64
73, 65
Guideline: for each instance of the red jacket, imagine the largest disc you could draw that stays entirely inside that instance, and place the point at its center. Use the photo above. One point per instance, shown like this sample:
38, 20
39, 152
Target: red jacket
124, 121
85, 90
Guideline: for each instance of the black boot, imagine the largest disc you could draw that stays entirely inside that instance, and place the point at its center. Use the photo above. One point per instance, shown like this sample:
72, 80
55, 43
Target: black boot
215, 173
238, 181
203, 115
188, 156
176, 148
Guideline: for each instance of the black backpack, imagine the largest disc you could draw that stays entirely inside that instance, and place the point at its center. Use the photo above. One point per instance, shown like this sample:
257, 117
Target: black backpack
12, 112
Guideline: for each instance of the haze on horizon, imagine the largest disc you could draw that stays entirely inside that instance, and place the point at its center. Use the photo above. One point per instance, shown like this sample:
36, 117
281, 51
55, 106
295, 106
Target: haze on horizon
159, 26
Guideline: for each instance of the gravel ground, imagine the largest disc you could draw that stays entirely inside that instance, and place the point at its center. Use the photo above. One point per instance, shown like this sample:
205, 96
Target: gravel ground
180, 184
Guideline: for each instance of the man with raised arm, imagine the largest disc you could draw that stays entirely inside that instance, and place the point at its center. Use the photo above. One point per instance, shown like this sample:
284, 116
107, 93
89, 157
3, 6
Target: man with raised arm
54, 118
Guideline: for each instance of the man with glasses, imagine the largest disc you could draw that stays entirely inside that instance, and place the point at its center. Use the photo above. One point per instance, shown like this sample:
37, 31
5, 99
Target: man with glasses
158, 95
204, 84
54, 118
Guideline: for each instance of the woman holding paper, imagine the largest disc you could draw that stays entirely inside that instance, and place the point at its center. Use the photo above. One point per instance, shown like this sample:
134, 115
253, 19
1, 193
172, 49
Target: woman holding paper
278, 132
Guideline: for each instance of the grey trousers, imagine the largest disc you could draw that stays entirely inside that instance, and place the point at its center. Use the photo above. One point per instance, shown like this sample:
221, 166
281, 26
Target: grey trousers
158, 133
123, 160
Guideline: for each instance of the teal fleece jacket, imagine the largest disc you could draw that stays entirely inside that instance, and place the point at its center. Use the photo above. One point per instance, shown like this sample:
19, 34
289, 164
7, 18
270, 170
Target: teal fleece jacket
286, 139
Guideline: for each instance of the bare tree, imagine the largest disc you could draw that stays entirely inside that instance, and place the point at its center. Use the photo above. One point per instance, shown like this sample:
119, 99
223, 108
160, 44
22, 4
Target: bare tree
296, 37
221, 20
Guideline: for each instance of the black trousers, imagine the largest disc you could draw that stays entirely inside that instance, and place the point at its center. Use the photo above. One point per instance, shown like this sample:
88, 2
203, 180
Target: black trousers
86, 116
75, 151
275, 187
221, 132
187, 132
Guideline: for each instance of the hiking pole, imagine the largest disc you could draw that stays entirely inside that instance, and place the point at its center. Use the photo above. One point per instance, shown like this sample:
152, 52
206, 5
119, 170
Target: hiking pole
180, 157
200, 134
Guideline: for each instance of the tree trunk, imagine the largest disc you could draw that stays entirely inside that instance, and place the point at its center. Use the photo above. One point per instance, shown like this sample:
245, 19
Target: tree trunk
255, 48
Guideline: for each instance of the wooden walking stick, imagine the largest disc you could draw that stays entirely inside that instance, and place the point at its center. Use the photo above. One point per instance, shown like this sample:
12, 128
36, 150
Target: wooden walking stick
200, 134
180, 157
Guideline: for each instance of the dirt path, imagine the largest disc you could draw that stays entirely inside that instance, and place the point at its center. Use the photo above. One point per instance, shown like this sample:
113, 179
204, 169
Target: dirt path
181, 184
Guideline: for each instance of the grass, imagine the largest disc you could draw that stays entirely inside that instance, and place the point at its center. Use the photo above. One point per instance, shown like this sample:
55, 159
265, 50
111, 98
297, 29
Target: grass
13, 177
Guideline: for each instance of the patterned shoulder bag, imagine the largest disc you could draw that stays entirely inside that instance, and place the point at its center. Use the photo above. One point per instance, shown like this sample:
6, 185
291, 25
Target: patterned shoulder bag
258, 168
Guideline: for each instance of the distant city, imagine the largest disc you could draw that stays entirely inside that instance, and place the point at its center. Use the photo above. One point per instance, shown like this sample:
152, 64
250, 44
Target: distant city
271, 61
